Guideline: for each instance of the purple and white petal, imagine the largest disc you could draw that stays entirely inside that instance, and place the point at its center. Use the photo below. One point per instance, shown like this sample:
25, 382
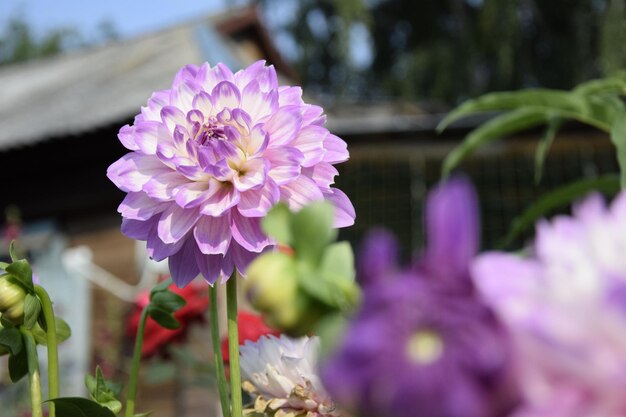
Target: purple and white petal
225, 95
336, 150
242, 257
139, 206
172, 117
183, 266
323, 174
284, 164
248, 233
256, 203
159, 250
126, 135
221, 196
163, 187
344, 210
132, 171
175, 222
283, 126
210, 266
138, 229
300, 192
213, 234
251, 174
310, 141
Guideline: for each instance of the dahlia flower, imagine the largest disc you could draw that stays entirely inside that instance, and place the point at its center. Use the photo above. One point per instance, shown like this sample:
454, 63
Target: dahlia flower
566, 308
281, 374
210, 156
422, 344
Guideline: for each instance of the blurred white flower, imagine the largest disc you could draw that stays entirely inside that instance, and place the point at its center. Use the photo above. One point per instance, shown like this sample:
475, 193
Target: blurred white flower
281, 374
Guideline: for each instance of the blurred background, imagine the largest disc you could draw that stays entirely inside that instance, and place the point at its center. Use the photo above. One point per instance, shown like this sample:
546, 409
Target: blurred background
386, 71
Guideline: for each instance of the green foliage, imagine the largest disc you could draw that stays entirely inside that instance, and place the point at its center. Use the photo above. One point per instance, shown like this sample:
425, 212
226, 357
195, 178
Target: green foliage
63, 332
296, 290
556, 199
597, 103
18, 363
163, 305
102, 392
80, 407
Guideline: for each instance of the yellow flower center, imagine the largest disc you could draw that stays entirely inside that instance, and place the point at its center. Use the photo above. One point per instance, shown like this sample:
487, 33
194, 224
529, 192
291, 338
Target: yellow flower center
424, 347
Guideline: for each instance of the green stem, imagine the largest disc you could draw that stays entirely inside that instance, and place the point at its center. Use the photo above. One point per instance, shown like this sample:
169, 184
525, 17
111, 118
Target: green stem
52, 343
233, 346
34, 379
217, 352
134, 371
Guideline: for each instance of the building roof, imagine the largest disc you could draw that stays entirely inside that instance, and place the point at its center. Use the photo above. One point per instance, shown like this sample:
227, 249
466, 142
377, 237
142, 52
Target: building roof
85, 90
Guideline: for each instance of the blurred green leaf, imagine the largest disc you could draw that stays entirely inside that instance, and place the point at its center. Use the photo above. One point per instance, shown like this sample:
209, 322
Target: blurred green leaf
615, 85
168, 301
80, 407
277, 224
18, 365
160, 287
496, 128
63, 332
32, 309
338, 261
23, 274
539, 99
101, 392
561, 197
11, 339
554, 124
618, 137
13, 251
312, 229
330, 330
163, 317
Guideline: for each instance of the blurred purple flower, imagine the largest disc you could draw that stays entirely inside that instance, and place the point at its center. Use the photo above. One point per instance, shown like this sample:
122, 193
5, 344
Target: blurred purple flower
565, 306
419, 346
211, 156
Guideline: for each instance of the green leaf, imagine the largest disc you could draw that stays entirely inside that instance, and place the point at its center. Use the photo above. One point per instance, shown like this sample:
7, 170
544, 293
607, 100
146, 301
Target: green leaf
21, 270
614, 85
338, 261
495, 128
277, 224
554, 124
63, 332
13, 251
312, 229
101, 392
540, 98
618, 137
162, 286
167, 301
18, 365
561, 197
163, 317
80, 407
32, 309
330, 330
3, 265
12, 340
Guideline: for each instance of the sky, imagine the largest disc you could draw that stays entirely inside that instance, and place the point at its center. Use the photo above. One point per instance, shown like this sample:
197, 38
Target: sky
129, 17
134, 17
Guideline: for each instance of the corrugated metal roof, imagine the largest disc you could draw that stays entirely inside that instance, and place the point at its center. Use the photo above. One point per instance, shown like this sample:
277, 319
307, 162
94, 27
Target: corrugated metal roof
72, 93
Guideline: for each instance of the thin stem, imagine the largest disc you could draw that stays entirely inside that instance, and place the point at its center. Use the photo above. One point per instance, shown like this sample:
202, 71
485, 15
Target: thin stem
134, 371
34, 379
52, 343
217, 352
233, 346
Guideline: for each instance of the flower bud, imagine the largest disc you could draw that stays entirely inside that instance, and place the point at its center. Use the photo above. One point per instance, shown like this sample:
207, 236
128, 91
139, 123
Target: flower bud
11, 301
272, 288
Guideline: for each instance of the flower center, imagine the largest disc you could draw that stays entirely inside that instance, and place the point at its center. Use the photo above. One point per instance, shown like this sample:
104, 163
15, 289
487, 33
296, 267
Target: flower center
209, 131
424, 347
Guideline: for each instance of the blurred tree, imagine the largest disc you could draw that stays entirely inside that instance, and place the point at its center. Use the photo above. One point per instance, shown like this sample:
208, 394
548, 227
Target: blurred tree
19, 43
449, 50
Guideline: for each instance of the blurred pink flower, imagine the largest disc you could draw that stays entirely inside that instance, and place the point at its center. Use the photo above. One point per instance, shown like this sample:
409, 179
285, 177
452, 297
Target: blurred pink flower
566, 308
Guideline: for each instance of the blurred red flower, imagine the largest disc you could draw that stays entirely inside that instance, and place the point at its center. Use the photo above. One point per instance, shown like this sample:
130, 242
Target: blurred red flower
156, 338
251, 327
